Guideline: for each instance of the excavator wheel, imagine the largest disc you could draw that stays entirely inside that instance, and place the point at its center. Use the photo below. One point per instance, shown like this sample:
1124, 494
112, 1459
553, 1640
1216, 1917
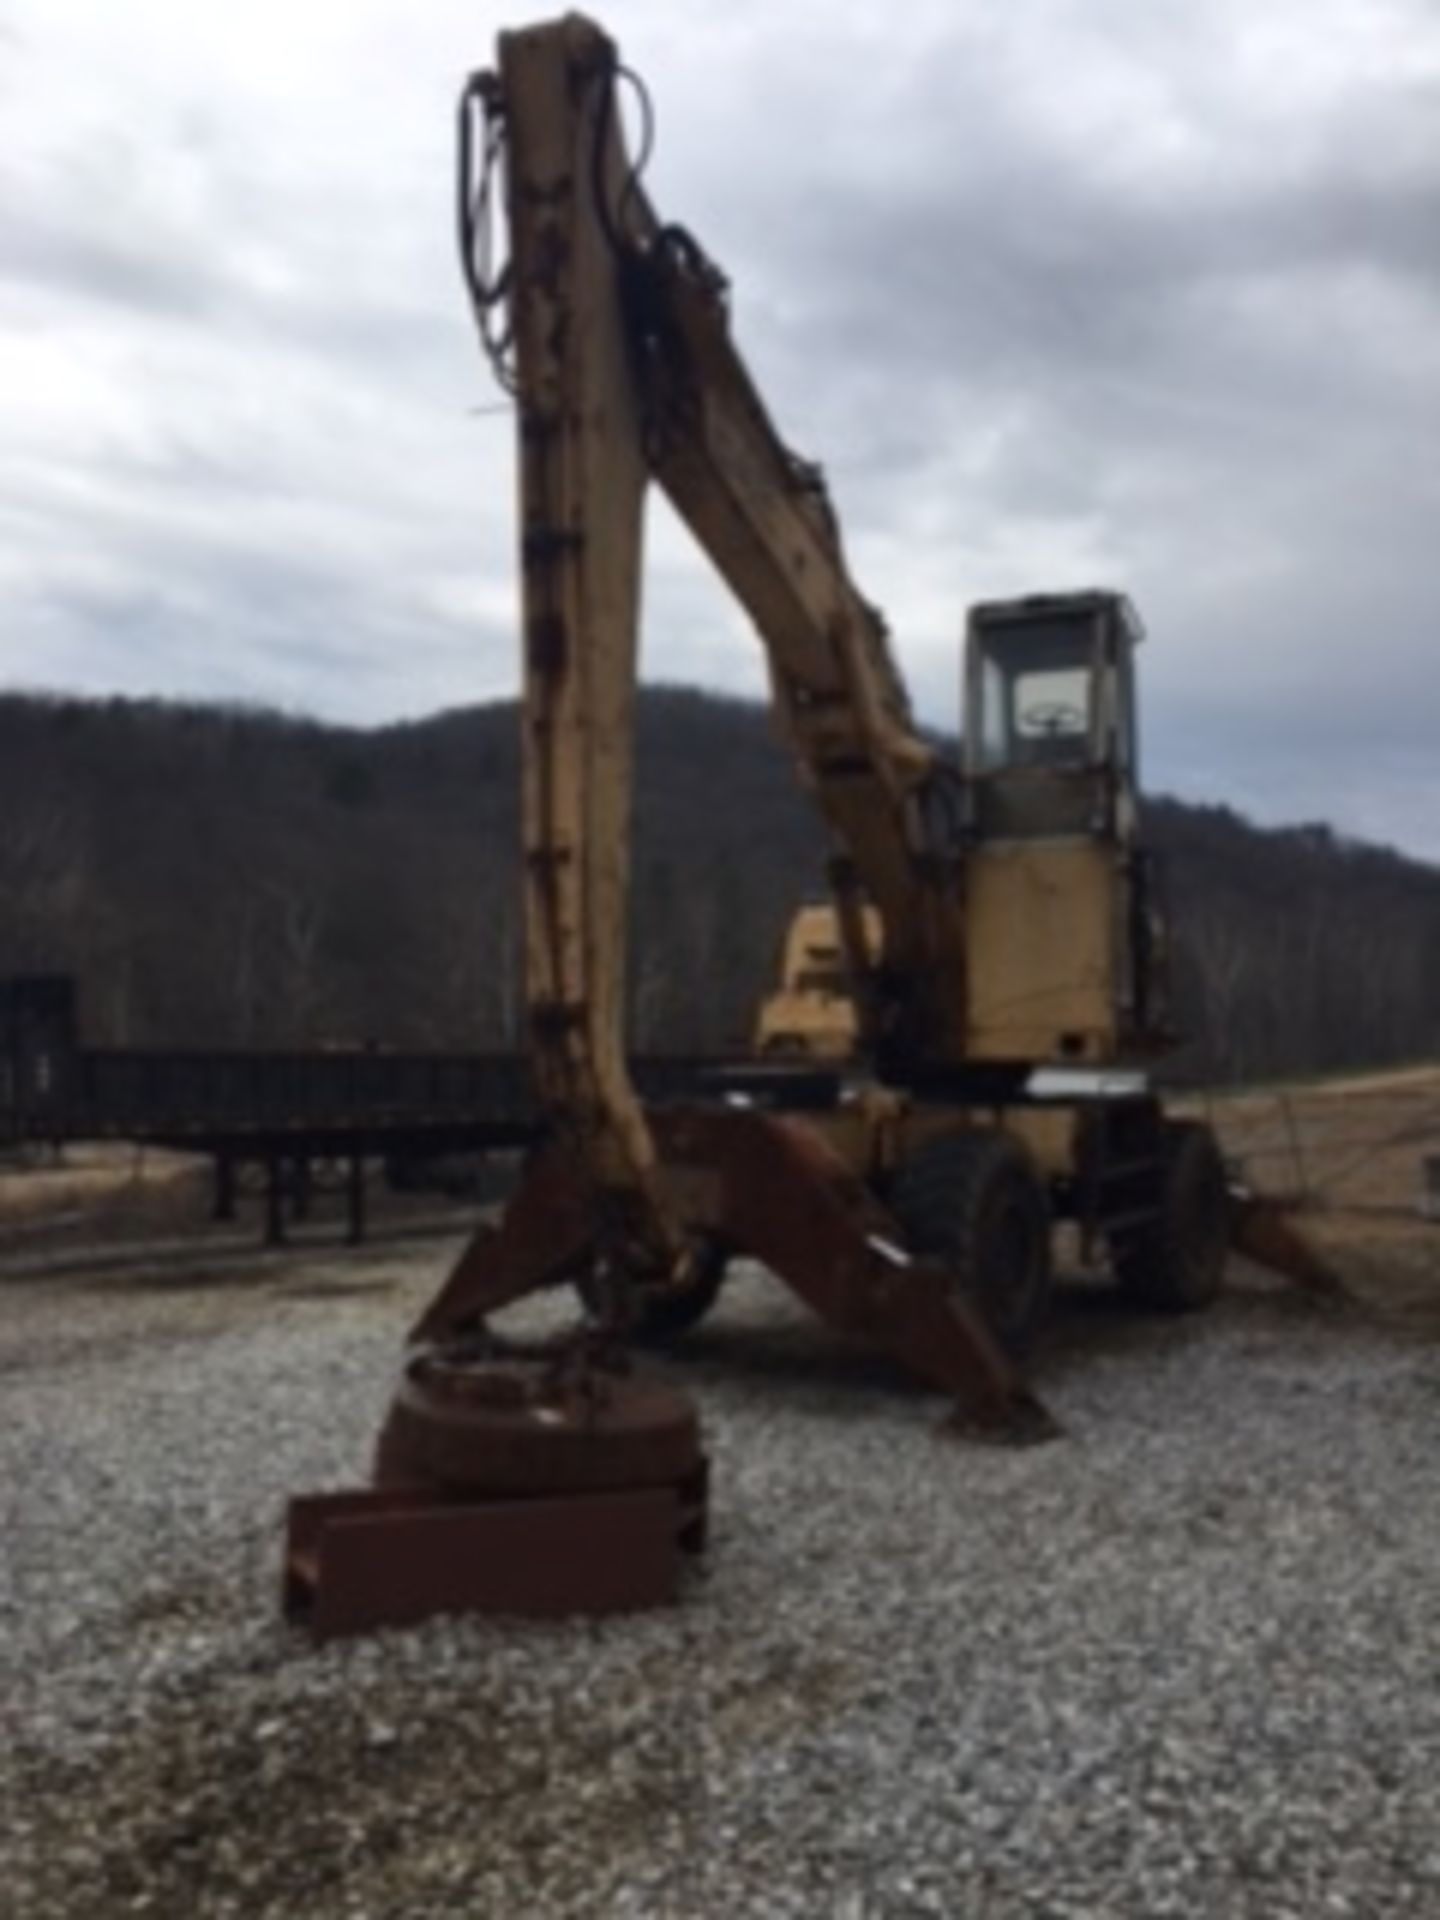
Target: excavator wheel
974, 1202
1176, 1262
662, 1318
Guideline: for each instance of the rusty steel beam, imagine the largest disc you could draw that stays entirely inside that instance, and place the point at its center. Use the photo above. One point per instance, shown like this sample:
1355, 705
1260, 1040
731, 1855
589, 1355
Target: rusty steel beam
392, 1556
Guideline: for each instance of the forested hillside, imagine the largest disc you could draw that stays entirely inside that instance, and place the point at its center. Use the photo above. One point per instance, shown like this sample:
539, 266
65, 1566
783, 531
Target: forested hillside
233, 877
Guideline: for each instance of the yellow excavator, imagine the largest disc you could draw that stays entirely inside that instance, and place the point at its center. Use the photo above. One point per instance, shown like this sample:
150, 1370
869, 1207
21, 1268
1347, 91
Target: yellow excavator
1015, 988
970, 1018
813, 1013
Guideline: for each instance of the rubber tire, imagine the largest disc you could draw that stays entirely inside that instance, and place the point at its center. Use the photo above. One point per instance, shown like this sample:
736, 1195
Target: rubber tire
664, 1318
1177, 1264
974, 1202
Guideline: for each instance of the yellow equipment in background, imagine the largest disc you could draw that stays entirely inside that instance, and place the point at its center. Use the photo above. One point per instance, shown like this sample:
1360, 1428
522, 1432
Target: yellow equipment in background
813, 1014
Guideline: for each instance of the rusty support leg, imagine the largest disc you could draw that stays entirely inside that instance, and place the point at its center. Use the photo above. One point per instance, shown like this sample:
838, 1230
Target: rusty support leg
546, 1229
1265, 1229
789, 1201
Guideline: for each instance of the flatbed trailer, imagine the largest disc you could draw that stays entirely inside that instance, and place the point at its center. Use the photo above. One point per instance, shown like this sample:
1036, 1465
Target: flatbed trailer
283, 1109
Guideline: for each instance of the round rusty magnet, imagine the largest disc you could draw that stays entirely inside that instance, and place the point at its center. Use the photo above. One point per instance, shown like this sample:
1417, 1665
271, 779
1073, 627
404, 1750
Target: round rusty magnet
516, 1425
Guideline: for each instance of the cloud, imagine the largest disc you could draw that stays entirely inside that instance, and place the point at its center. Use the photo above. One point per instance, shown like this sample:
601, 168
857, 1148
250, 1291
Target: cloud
1058, 293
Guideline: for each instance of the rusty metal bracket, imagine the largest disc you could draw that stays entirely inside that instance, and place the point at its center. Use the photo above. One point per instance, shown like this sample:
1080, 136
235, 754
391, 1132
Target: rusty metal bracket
392, 1556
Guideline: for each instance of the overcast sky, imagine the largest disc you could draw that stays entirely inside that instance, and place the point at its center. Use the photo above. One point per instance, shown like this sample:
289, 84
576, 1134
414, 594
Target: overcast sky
1061, 292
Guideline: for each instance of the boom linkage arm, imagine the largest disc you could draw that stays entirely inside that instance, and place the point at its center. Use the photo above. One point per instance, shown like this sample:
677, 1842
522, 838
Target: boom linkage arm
765, 520
623, 367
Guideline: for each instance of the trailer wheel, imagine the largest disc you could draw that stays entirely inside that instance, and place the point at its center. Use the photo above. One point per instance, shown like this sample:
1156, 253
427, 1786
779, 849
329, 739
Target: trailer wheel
973, 1202
1177, 1261
663, 1317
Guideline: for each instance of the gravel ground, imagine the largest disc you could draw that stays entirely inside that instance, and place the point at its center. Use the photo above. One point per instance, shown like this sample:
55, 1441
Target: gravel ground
1181, 1661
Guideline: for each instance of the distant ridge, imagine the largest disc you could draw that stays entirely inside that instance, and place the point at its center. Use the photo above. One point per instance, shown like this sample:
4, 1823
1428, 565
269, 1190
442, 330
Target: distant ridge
222, 876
